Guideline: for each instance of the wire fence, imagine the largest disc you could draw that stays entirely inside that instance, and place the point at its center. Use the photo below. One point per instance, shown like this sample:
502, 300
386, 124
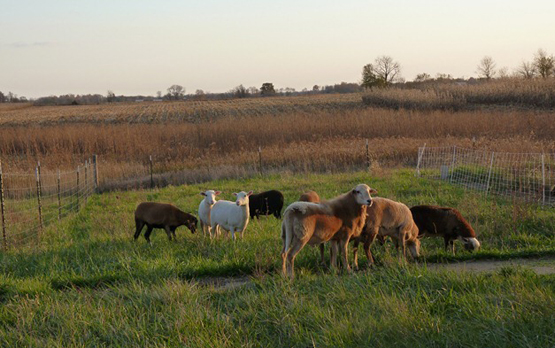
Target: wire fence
30, 202
528, 176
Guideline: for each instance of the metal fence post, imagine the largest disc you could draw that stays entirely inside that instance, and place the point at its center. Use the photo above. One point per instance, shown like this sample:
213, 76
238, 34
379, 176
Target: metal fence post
453, 163
151, 178
543, 178
367, 157
3, 209
489, 173
420, 155
37, 173
95, 172
260, 159
78, 188
59, 187
86, 195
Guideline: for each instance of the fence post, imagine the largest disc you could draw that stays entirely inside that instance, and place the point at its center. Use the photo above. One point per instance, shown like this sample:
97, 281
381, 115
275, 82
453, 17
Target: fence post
37, 172
86, 195
3, 209
151, 178
489, 173
59, 187
78, 168
453, 163
543, 178
367, 157
95, 172
260, 159
420, 155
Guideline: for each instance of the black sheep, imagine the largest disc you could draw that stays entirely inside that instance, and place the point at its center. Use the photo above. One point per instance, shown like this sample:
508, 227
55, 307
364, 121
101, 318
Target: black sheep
266, 203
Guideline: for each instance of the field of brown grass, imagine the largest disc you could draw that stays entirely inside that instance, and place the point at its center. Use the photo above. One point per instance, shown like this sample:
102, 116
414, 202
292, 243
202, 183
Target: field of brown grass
312, 133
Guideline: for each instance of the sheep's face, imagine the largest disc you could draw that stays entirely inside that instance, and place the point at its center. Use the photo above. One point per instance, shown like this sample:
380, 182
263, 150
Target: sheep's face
192, 225
470, 244
242, 198
362, 194
210, 196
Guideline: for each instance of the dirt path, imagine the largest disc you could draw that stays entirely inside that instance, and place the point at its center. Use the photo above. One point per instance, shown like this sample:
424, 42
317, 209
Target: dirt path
540, 266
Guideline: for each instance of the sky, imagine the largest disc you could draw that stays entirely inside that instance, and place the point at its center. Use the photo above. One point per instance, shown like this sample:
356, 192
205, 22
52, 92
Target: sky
135, 47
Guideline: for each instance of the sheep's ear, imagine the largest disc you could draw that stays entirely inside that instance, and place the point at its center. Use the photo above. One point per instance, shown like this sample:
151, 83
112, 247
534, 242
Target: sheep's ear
217, 192
202, 194
235, 193
250, 193
373, 191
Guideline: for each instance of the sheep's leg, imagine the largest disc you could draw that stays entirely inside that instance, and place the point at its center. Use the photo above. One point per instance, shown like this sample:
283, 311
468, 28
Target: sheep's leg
321, 246
296, 246
449, 244
402, 236
344, 246
333, 254
232, 230
168, 232
173, 233
139, 224
355, 253
214, 230
148, 232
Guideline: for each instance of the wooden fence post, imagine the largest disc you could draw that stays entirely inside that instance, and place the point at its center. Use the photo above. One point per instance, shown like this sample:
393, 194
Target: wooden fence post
453, 163
95, 172
420, 155
490, 171
59, 186
37, 173
3, 209
543, 178
78, 168
260, 159
86, 195
151, 178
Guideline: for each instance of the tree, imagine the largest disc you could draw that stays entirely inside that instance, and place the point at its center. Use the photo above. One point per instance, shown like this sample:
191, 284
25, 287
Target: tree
526, 70
2, 98
110, 96
267, 89
422, 77
315, 88
486, 68
159, 94
382, 73
176, 92
240, 92
544, 63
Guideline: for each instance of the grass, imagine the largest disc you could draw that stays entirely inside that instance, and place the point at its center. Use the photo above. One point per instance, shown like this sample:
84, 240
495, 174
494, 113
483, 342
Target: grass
89, 284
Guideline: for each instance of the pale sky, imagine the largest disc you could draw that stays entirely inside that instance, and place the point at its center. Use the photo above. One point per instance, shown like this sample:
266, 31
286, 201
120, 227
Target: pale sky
131, 47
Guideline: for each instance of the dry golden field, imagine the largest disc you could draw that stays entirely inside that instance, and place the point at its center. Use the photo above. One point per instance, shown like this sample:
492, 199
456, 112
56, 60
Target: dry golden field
209, 139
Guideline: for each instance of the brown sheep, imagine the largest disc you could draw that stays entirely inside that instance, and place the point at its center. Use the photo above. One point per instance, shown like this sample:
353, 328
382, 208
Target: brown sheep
387, 218
314, 223
310, 196
161, 215
447, 223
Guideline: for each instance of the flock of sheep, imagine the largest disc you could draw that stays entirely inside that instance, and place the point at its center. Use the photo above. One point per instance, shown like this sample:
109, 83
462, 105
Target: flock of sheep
353, 216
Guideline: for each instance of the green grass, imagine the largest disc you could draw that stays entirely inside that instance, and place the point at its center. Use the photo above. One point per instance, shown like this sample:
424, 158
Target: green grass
90, 284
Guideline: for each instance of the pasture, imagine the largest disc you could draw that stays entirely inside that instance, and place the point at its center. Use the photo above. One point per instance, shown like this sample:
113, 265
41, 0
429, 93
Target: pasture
88, 283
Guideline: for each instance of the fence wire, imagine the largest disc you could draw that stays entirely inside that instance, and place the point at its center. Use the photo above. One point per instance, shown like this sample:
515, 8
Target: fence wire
528, 176
33, 201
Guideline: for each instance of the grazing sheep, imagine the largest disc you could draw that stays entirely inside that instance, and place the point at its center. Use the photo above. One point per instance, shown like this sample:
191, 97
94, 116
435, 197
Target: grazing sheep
204, 210
310, 196
266, 203
387, 218
231, 216
447, 223
314, 223
161, 215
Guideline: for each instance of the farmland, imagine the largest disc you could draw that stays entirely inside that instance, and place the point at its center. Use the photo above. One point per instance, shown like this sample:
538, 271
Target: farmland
89, 284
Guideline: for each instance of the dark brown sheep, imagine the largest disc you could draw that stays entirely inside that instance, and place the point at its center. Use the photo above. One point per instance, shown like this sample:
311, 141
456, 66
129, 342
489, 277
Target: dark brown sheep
161, 215
310, 196
444, 222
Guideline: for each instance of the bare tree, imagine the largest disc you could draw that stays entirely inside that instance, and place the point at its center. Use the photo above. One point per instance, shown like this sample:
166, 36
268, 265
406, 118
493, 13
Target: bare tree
110, 96
544, 63
383, 72
176, 92
526, 70
422, 77
486, 68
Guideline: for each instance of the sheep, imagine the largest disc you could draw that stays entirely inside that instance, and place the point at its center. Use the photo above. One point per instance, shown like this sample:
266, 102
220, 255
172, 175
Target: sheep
161, 215
314, 223
266, 203
310, 196
204, 210
387, 218
447, 223
231, 216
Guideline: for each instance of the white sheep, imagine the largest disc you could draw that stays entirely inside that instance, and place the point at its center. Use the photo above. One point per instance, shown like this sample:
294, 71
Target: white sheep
204, 210
231, 216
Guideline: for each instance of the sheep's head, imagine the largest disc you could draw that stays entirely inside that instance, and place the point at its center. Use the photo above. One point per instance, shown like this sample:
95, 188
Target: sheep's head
192, 224
470, 244
362, 194
242, 198
210, 196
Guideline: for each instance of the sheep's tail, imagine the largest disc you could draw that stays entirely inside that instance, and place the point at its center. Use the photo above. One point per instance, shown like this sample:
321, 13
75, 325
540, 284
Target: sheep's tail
308, 208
